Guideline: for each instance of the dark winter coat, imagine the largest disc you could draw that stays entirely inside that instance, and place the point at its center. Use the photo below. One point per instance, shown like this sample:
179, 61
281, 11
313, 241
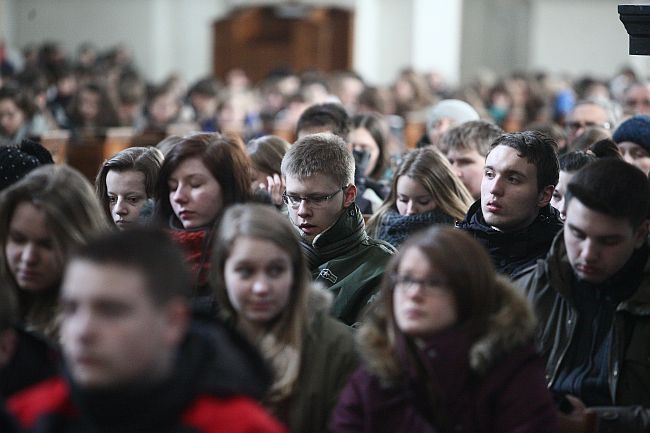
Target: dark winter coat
550, 287
513, 252
494, 384
33, 361
210, 390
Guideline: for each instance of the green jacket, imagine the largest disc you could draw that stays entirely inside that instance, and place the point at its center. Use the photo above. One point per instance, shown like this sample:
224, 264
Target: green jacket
329, 356
548, 286
348, 263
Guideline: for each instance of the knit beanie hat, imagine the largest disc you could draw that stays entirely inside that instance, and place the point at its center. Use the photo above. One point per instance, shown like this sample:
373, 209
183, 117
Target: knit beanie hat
17, 161
635, 129
455, 109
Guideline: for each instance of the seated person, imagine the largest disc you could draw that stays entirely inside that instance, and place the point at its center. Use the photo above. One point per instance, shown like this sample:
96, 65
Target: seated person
320, 192
424, 192
591, 295
25, 358
332, 117
132, 361
466, 146
513, 219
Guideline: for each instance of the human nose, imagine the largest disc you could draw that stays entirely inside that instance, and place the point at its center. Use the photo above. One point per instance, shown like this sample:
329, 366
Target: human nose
121, 207
79, 327
260, 285
180, 194
590, 251
496, 186
303, 207
457, 171
628, 158
411, 208
29, 253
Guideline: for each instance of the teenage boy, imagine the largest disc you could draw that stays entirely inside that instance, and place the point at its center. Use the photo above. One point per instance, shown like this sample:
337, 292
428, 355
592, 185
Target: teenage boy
320, 193
591, 295
132, 363
513, 219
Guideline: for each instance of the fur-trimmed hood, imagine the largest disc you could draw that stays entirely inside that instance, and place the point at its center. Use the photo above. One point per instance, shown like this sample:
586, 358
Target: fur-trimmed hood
511, 326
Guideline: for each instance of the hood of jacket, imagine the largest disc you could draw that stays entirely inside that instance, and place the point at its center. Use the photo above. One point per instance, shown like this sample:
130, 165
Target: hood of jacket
511, 326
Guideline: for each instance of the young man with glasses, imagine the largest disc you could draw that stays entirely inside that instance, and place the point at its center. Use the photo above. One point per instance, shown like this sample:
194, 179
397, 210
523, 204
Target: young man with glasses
320, 194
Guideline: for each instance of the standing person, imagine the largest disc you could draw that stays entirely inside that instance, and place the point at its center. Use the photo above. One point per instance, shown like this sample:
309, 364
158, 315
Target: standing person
447, 348
320, 194
513, 219
425, 191
133, 363
43, 217
126, 185
263, 288
201, 176
592, 297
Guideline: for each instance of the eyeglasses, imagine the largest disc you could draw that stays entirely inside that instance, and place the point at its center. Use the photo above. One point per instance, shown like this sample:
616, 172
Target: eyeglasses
574, 126
313, 200
434, 287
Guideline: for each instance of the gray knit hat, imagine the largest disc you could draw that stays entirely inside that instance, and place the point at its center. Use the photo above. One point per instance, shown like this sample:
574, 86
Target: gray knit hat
459, 111
635, 129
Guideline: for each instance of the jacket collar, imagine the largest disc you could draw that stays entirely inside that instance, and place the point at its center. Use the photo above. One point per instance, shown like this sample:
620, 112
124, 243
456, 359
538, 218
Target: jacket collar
347, 232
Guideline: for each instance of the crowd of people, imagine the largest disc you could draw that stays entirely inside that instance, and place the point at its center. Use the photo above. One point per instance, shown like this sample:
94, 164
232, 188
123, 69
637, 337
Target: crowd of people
291, 265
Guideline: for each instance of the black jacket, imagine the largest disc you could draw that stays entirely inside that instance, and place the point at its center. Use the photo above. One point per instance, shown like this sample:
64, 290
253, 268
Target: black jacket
216, 373
514, 252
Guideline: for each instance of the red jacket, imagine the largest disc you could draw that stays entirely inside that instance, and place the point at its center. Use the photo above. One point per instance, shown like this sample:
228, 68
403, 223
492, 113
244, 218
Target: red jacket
49, 404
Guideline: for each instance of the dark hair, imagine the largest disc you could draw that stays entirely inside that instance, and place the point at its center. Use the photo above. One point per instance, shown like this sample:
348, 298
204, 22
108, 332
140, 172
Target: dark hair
538, 149
151, 252
331, 116
574, 161
606, 148
378, 130
21, 99
613, 187
146, 160
106, 114
224, 155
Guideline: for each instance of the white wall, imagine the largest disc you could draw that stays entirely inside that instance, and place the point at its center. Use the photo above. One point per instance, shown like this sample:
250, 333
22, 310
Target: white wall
393, 34
579, 37
166, 35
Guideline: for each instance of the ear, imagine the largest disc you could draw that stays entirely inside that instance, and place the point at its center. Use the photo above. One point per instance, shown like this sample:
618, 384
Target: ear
177, 320
8, 341
349, 195
545, 195
641, 234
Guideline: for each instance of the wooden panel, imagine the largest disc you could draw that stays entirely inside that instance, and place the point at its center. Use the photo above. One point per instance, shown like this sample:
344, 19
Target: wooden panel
57, 143
258, 40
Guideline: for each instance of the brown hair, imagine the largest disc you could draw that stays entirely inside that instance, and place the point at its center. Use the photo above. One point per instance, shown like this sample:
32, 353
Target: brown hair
146, 160
222, 154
